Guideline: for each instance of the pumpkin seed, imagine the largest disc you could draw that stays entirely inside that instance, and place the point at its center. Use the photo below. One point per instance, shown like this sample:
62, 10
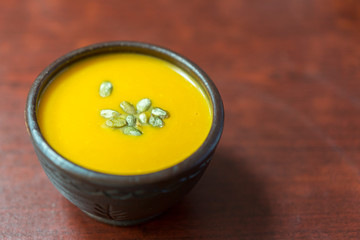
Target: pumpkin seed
131, 120
152, 120
105, 89
143, 118
156, 121
131, 131
108, 113
161, 113
127, 107
115, 123
143, 105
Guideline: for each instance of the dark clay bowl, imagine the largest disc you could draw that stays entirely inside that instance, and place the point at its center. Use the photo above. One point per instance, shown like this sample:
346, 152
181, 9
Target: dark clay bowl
119, 199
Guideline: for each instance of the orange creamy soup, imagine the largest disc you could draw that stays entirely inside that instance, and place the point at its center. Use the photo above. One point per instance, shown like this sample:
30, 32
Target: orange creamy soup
71, 120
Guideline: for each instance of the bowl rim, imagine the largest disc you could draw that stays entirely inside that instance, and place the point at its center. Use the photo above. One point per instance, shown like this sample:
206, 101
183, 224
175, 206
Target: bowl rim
199, 158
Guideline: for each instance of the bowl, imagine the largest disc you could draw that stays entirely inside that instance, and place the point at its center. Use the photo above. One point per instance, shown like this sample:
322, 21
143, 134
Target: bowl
123, 199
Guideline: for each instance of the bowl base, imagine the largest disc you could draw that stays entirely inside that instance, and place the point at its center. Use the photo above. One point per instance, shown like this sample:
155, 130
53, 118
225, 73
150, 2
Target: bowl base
122, 223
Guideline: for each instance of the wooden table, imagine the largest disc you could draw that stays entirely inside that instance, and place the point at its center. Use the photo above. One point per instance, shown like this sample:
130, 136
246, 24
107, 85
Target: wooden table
288, 163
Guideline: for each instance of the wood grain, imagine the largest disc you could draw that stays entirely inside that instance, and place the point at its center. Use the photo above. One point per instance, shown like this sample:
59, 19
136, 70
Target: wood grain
288, 163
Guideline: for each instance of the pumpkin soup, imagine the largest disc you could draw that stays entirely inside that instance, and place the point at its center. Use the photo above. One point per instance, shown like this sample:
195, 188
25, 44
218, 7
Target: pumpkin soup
77, 110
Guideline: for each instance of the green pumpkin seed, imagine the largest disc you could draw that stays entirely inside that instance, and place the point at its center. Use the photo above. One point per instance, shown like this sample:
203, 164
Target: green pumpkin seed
161, 113
131, 120
159, 122
131, 131
152, 120
156, 121
115, 123
108, 113
127, 107
105, 89
143, 118
143, 105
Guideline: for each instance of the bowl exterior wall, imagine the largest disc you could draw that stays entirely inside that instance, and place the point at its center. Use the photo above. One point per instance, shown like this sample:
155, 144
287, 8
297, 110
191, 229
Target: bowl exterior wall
121, 205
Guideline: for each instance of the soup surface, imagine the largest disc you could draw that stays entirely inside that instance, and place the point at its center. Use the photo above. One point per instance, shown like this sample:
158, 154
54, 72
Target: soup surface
70, 120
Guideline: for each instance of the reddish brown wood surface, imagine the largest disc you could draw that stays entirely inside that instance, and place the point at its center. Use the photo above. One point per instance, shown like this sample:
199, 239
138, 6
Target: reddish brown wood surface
288, 165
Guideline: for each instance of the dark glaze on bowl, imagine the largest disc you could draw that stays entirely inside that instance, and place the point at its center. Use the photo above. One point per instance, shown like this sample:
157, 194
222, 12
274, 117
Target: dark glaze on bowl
119, 199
